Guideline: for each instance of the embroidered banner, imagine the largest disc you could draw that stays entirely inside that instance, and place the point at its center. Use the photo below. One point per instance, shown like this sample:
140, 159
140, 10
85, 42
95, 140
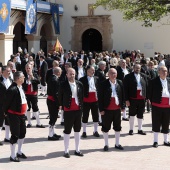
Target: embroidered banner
5, 11
31, 17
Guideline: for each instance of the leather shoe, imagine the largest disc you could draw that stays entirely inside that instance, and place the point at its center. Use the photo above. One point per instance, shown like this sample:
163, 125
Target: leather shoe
66, 155
106, 148
21, 156
57, 136
84, 135
96, 134
141, 132
33, 118
125, 119
41, 94
100, 123
29, 126
15, 159
40, 126
130, 132
166, 144
1, 143
155, 144
62, 123
3, 128
78, 153
6, 140
52, 138
119, 147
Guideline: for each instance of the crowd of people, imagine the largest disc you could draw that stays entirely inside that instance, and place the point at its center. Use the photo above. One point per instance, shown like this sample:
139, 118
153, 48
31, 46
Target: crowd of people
75, 84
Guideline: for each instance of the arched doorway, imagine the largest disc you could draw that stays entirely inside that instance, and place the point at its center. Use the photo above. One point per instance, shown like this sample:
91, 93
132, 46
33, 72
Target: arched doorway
92, 40
20, 38
43, 41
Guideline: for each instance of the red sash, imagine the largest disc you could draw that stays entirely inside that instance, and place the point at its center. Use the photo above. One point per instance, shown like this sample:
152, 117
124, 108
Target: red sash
112, 105
164, 103
138, 97
51, 98
23, 110
29, 92
73, 106
91, 98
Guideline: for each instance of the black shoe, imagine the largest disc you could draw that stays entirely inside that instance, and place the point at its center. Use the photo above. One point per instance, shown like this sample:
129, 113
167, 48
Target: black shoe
52, 138
40, 126
45, 95
100, 123
78, 153
58, 116
155, 144
96, 134
62, 123
84, 135
106, 148
141, 132
6, 140
166, 144
66, 155
21, 156
119, 147
33, 118
125, 119
1, 143
41, 94
130, 132
29, 126
15, 159
57, 136
3, 128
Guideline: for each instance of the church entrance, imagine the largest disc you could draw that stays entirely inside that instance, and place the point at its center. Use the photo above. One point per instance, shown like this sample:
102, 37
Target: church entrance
92, 40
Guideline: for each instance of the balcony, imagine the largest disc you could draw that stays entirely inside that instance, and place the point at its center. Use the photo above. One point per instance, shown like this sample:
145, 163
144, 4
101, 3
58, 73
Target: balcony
42, 6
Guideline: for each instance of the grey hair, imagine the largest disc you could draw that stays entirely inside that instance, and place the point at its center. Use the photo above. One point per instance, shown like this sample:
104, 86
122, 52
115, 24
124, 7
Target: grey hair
161, 67
101, 63
17, 75
56, 70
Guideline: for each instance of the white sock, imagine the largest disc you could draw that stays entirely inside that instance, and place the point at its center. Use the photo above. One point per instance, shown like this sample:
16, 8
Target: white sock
105, 135
29, 117
20, 142
155, 134
13, 154
66, 142
53, 130
45, 89
7, 132
84, 126
0, 132
77, 141
42, 89
3, 124
95, 126
124, 113
33, 114
100, 118
117, 137
131, 122
37, 118
62, 116
140, 124
50, 131
166, 138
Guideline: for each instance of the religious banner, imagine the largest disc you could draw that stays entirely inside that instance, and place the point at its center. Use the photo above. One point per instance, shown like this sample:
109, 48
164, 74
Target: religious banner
31, 17
57, 46
5, 11
55, 15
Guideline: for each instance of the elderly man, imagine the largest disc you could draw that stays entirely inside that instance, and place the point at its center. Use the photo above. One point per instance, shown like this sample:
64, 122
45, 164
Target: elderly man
159, 95
80, 70
111, 101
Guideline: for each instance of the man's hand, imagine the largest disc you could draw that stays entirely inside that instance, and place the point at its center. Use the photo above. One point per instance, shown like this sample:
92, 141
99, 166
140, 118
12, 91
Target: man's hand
127, 103
102, 113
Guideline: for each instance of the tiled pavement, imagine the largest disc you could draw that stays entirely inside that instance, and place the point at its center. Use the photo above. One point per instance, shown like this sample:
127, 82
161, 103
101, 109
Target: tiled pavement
48, 155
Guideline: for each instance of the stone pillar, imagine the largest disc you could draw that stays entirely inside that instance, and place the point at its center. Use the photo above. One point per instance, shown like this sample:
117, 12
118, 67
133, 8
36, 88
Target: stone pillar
6, 47
33, 41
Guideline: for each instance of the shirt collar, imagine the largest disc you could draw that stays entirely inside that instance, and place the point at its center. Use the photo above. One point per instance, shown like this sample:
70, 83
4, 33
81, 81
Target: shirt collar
112, 83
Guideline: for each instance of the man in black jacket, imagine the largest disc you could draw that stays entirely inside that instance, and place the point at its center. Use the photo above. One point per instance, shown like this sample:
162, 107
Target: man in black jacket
90, 101
80, 69
135, 86
30, 87
159, 95
16, 107
52, 101
71, 99
111, 101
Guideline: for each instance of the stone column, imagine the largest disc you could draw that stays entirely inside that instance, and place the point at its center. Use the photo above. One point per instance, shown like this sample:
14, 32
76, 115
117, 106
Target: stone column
6, 47
33, 41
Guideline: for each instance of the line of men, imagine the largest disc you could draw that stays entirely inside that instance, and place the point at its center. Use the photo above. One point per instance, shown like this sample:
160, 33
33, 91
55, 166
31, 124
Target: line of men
80, 92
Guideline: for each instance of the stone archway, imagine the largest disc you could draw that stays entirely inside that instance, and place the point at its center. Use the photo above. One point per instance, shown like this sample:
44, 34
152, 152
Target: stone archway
100, 23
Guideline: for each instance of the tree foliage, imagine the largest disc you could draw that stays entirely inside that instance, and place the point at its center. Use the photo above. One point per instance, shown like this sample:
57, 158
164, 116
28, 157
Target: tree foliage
146, 11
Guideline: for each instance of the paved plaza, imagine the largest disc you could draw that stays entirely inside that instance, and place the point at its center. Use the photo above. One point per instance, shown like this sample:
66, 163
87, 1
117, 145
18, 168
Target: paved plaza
48, 155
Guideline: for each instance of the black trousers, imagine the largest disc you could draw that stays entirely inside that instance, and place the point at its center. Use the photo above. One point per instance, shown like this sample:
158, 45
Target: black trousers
53, 111
109, 117
3, 117
43, 83
32, 102
17, 127
137, 107
94, 110
72, 119
160, 119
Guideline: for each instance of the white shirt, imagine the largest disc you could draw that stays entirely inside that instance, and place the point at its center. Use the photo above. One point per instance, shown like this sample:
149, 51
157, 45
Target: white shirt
114, 94
165, 92
137, 76
62, 59
73, 87
41, 63
162, 63
92, 87
125, 71
80, 72
18, 59
11, 75
7, 82
28, 81
22, 94
82, 56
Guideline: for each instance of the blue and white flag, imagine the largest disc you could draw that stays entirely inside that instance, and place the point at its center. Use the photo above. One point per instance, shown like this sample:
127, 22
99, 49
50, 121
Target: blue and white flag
5, 11
31, 17
56, 17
